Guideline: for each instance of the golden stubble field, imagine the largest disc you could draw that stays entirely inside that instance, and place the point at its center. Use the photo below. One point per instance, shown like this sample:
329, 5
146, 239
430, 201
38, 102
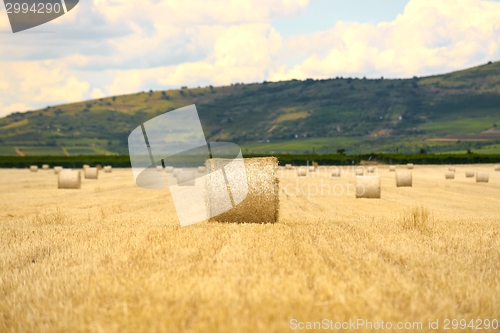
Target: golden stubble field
112, 257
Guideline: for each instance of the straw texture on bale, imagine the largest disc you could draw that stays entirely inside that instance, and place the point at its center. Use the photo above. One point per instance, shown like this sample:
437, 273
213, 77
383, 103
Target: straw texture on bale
392, 168
301, 172
176, 172
482, 177
497, 167
288, 166
261, 204
359, 172
186, 178
312, 169
449, 175
34, 168
409, 166
108, 169
336, 173
85, 166
368, 187
159, 168
371, 169
201, 169
91, 173
45, 167
169, 169
469, 174
57, 169
69, 179
404, 179
451, 169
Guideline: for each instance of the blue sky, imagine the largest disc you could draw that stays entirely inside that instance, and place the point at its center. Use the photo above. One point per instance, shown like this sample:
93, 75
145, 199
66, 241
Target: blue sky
113, 47
322, 15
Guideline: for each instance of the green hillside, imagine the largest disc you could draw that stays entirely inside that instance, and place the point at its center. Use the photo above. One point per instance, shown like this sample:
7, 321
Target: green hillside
451, 112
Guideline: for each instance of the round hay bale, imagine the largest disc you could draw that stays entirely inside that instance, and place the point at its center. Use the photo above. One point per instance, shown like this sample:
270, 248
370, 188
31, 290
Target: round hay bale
261, 204
336, 173
301, 172
404, 179
91, 173
57, 169
449, 175
69, 179
45, 167
201, 169
360, 172
108, 169
312, 169
392, 168
288, 166
186, 178
99, 167
409, 166
368, 187
315, 165
85, 166
176, 172
371, 169
169, 169
469, 174
34, 168
451, 169
482, 177
497, 167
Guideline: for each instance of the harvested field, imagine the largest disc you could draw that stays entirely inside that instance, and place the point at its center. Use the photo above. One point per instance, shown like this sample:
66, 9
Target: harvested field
111, 257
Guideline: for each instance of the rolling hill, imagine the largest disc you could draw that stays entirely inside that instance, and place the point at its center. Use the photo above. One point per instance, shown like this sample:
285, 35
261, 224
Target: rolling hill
442, 113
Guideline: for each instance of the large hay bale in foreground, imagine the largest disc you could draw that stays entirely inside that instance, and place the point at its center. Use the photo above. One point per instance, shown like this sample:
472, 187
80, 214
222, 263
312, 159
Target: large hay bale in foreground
368, 187
288, 166
301, 172
34, 168
45, 167
261, 204
91, 173
57, 169
449, 175
69, 179
469, 174
409, 166
108, 169
482, 177
404, 179
186, 178
392, 168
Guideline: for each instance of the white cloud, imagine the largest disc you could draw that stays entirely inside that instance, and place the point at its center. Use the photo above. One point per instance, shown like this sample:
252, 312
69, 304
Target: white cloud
111, 47
429, 37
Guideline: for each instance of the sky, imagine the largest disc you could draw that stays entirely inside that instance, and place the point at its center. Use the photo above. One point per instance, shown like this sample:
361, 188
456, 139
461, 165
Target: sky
113, 47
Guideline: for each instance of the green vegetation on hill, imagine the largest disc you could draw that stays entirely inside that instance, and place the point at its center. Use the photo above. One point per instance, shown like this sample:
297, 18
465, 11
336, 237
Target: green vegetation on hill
461, 110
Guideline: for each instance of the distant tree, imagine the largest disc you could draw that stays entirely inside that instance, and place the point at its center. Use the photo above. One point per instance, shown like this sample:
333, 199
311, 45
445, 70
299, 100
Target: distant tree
423, 151
469, 152
114, 98
341, 151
